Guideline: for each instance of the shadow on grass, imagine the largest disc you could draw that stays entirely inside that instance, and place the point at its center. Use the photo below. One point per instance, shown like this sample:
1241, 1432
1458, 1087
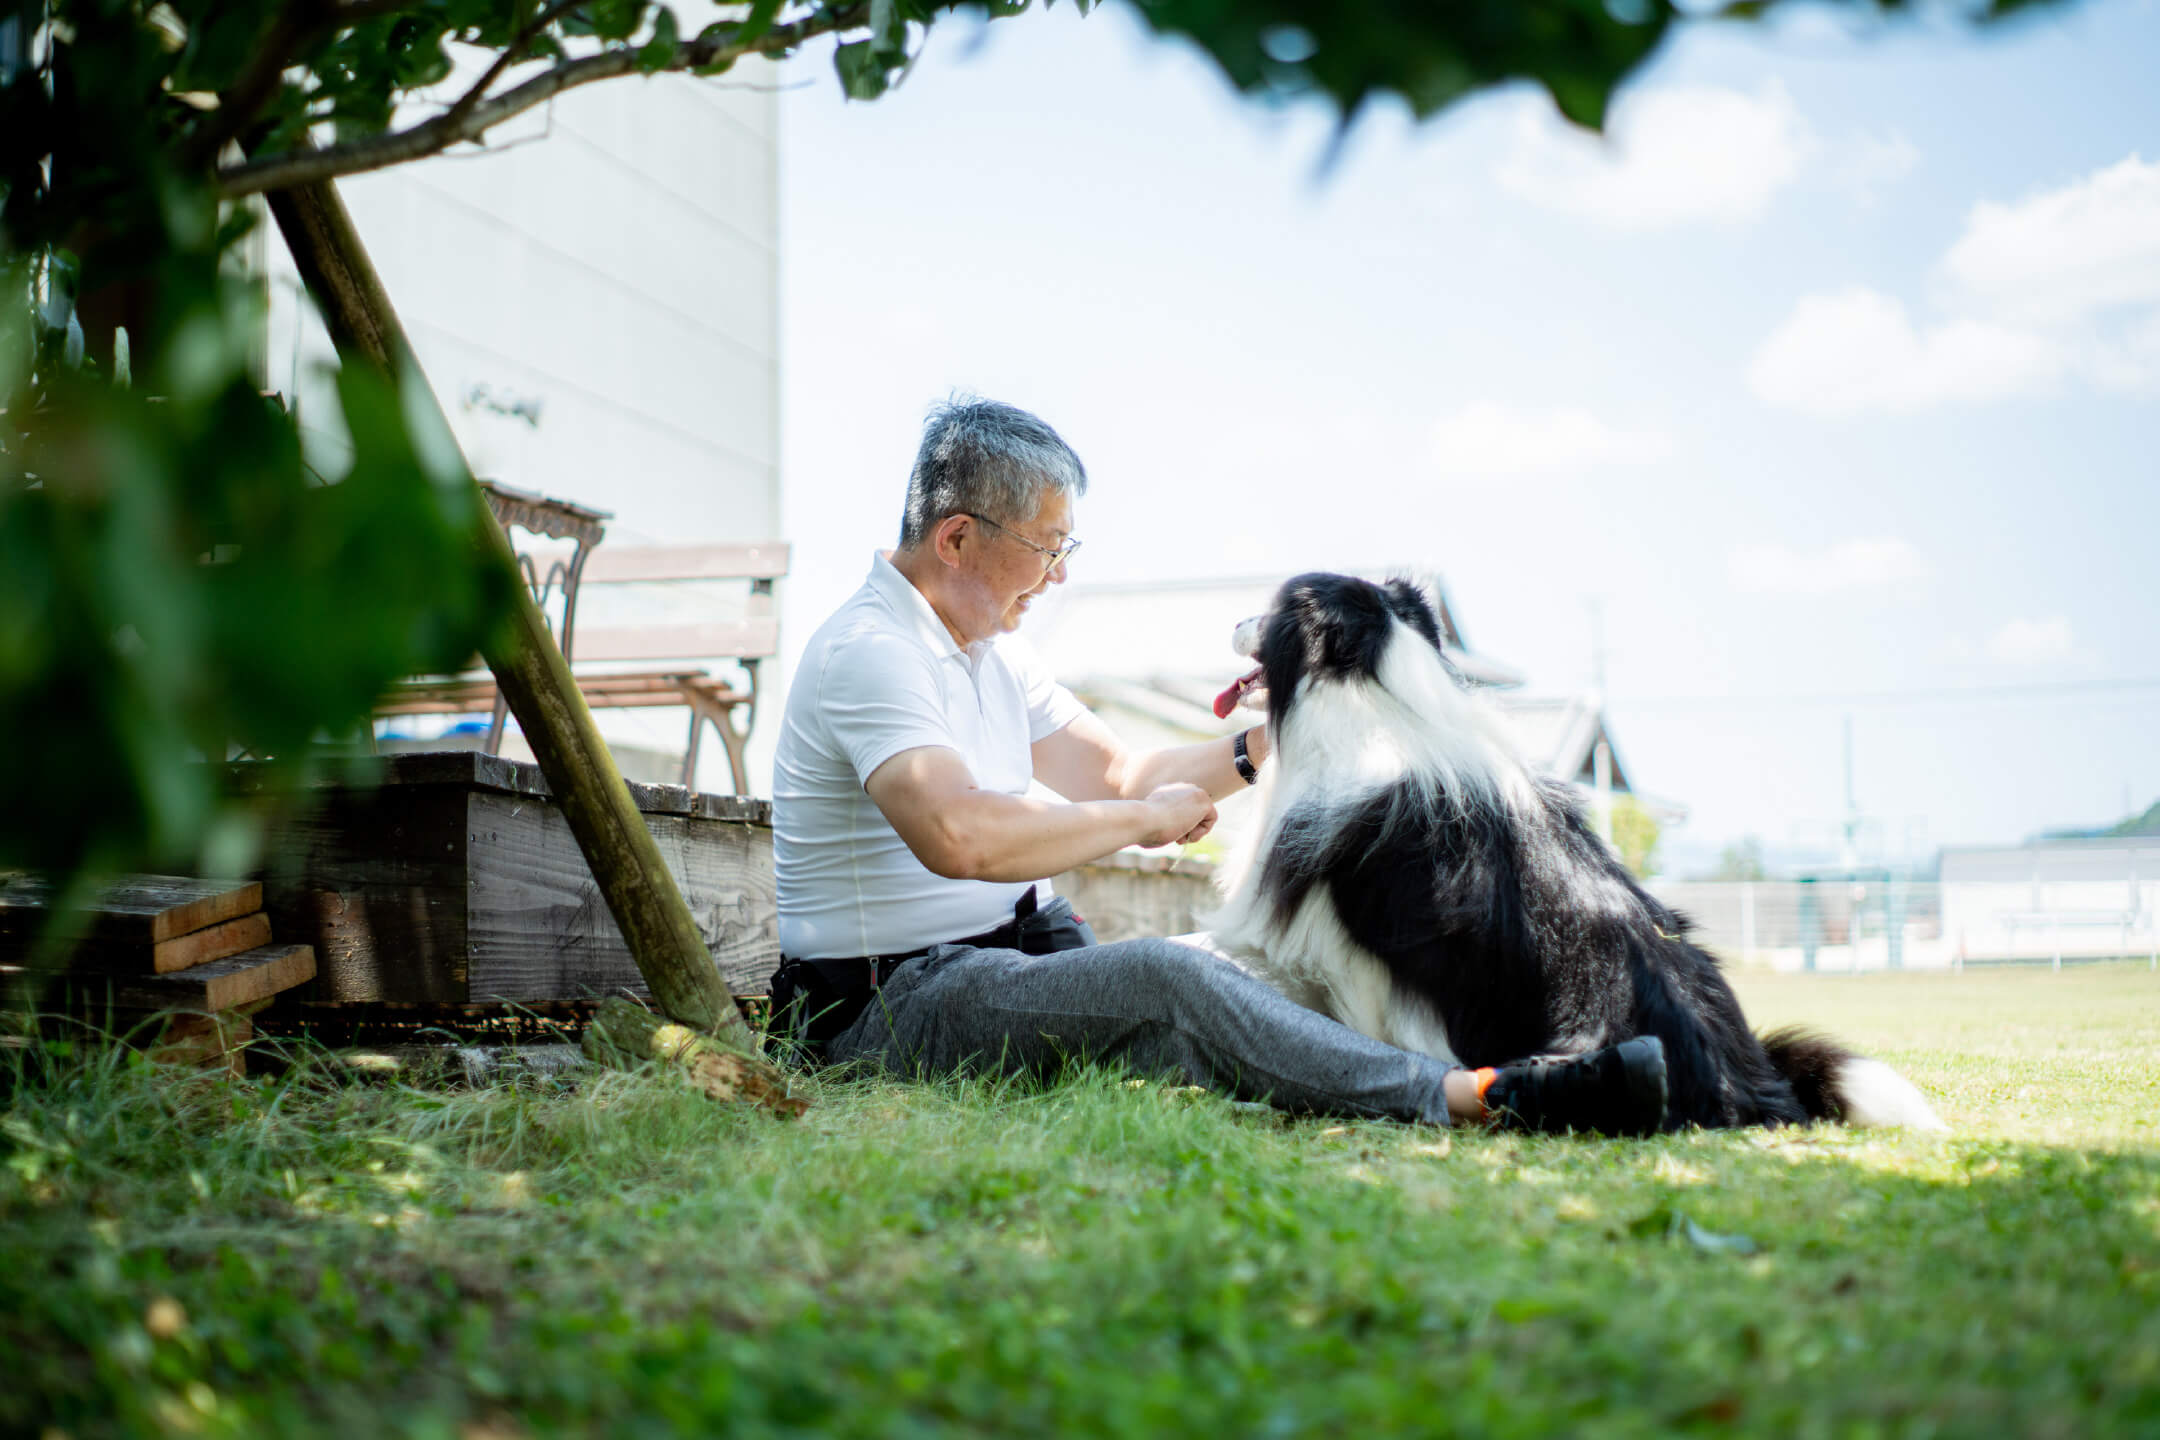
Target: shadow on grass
1091, 1255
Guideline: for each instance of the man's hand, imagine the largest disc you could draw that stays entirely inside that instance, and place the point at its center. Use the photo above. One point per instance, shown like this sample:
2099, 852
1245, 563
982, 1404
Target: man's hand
1184, 814
963, 832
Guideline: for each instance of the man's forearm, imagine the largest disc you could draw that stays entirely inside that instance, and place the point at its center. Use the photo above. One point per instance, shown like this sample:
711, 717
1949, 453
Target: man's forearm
1207, 764
997, 837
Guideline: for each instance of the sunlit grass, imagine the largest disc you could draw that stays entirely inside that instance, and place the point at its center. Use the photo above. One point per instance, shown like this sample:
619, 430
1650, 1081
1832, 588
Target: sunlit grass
1099, 1256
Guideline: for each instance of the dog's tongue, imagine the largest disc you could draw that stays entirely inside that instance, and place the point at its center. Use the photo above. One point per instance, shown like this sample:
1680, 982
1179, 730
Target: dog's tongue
1227, 701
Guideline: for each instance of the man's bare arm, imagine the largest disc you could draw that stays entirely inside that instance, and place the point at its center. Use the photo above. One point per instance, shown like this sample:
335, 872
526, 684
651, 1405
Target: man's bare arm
964, 832
1086, 761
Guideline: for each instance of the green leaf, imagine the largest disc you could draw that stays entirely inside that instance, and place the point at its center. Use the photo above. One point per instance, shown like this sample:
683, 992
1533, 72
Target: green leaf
863, 76
760, 19
888, 32
419, 59
728, 38
616, 19
659, 52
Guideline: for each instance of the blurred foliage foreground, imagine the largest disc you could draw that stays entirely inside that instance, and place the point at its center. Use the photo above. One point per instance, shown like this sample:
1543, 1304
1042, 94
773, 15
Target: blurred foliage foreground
178, 580
175, 579
612, 1254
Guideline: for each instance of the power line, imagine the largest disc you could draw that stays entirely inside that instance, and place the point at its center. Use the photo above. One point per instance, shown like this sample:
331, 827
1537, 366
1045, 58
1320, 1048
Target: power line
1972, 694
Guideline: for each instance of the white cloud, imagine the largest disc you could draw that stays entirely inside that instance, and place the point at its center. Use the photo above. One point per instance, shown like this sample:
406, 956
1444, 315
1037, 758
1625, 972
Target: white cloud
2130, 359
2031, 642
1867, 163
2064, 283
1866, 563
1672, 156
2065, 255
1858, 351
1491, 439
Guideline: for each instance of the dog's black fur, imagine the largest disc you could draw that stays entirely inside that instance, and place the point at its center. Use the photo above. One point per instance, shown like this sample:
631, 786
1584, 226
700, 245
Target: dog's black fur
1479, 887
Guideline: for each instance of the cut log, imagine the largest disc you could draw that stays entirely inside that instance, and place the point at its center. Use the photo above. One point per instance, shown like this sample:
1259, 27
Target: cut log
625, 1036
149, 909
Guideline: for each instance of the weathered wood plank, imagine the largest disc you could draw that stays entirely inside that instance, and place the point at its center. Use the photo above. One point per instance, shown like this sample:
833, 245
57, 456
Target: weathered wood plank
219, 985
237, 980
375, 881
537, 930
214, 942
164, 957
146, 908
472, 769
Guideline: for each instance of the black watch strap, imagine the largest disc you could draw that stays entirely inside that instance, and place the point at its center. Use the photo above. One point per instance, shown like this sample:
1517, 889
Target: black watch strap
1245, 768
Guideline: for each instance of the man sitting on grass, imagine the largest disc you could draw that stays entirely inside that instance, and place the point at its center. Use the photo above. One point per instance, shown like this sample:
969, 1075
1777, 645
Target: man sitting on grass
914, 925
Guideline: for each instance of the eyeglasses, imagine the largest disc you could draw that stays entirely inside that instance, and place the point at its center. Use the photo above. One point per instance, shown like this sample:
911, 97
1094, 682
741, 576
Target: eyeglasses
1051, 558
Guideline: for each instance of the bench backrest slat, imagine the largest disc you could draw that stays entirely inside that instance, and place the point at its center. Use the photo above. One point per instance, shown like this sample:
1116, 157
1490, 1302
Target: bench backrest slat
626, 564
754, 639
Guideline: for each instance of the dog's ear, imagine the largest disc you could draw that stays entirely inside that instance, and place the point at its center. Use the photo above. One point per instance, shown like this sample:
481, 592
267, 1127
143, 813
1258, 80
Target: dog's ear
1417, 602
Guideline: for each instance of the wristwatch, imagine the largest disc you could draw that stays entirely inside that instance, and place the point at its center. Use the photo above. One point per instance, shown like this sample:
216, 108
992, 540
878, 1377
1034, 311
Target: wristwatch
1245, 768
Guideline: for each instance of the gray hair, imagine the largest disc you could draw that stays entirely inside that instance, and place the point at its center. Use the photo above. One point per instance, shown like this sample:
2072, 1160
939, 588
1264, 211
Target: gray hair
982, 458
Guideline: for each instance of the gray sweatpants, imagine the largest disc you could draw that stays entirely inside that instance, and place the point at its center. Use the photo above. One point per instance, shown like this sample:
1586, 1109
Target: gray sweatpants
1161, 1008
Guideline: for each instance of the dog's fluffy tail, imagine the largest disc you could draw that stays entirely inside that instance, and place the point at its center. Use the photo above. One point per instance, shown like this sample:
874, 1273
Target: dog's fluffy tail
1832, 1083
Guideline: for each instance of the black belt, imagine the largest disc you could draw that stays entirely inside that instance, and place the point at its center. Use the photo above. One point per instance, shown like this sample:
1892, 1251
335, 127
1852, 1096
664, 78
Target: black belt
815, 1000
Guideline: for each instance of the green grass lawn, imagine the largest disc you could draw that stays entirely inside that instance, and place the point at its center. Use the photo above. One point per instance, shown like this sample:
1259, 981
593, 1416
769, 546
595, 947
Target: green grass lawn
1100, 1257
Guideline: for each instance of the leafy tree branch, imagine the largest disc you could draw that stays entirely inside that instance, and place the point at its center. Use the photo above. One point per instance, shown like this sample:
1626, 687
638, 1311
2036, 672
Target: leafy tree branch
475, 113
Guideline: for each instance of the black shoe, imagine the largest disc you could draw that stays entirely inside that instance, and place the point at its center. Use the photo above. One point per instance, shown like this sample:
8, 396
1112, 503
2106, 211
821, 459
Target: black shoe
1619, 1090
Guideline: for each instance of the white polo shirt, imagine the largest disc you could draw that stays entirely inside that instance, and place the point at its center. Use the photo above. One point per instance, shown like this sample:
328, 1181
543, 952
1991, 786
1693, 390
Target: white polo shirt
881, 676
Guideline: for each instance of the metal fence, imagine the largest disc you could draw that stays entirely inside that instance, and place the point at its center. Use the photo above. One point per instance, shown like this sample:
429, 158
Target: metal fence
1890, 923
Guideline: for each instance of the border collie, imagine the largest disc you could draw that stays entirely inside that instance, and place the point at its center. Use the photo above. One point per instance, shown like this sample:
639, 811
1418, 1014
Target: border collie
1410, 877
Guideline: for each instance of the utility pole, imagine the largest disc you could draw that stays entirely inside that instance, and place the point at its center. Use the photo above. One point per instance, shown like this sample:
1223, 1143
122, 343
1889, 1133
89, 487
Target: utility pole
1601, 752
1851, 857
1596, 606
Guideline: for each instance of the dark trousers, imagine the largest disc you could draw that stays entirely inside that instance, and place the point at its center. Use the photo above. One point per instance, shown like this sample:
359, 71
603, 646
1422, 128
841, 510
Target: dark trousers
1162, 1008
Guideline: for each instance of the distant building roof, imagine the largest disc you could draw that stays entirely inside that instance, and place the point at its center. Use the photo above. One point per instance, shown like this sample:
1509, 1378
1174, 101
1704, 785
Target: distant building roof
1560, 735
1181, 628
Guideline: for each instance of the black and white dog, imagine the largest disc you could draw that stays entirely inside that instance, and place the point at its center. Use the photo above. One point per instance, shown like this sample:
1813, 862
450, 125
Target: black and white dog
1410, 877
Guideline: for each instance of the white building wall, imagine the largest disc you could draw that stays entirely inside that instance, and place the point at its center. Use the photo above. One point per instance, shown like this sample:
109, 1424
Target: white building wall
2070, 898
613, 260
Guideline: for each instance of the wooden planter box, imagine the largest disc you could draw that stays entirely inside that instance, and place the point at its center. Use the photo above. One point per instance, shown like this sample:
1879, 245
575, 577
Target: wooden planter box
455, 880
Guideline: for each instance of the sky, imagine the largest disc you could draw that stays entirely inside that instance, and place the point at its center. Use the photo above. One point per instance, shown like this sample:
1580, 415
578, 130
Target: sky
1826, 386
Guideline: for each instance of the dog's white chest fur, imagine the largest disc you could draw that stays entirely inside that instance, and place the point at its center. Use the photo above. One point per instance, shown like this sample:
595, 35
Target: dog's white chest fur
1313, 959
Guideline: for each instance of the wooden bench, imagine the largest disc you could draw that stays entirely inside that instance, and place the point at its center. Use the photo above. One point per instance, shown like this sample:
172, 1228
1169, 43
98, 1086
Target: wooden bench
730, 708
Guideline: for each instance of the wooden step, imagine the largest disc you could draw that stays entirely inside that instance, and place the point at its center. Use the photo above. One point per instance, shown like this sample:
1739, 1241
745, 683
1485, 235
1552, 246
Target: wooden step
133, 957
218, 985
145, 908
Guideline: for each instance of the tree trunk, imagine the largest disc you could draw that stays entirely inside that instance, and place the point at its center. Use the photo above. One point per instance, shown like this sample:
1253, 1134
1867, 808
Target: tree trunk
648, 907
